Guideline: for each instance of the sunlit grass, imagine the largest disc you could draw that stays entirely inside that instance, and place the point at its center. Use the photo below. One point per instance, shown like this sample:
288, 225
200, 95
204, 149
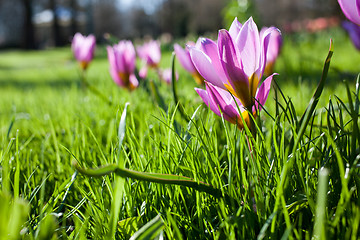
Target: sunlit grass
48, 121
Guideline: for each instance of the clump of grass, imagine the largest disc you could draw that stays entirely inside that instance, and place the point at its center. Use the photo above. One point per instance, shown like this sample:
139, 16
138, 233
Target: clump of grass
297, 178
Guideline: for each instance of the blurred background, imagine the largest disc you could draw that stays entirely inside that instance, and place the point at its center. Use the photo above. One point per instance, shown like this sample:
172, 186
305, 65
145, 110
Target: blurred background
38, 24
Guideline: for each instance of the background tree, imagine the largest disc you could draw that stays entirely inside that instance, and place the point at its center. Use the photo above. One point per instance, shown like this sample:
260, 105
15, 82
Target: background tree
73, 7
174, 17
29, 35
107, 18
55, 25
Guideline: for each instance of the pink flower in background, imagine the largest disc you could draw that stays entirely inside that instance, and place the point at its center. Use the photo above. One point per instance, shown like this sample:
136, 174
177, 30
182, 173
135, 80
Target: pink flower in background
220, 101
166, 75
354, 32
143, 72
273, 51
235, 63
184, 58
83, 48
122, 58
150, 53
351, 9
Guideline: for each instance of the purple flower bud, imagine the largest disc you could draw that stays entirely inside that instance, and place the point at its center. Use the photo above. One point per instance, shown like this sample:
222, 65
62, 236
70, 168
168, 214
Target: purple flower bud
83, 49
122, 58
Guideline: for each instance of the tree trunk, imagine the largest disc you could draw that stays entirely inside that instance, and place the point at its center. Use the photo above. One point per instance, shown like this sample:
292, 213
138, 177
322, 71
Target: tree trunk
73, 6
56, 26
29, 36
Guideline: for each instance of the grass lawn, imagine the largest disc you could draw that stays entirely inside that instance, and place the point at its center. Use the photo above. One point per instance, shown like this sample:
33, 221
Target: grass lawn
48, 121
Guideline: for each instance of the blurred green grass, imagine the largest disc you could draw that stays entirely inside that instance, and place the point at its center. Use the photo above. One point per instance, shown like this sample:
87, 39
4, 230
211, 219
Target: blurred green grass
30, 76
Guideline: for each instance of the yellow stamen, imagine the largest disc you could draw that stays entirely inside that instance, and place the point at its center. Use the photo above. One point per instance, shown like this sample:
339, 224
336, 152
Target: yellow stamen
247, 119
84, 65
253, 84
125, 77
198, 78
269, 69
241, 92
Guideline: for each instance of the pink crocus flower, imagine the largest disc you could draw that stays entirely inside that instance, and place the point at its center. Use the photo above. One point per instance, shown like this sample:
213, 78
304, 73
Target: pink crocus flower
184, 58
150, 53
273, 51
166, 75
354, 32
221, 102
83, 48
351, 9
235, 63
122, 58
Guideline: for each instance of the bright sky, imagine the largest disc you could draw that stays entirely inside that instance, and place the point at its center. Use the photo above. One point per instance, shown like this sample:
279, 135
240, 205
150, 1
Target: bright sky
148, 5
125, 3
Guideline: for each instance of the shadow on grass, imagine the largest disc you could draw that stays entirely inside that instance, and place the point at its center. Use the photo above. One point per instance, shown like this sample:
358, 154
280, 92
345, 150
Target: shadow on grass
31, 84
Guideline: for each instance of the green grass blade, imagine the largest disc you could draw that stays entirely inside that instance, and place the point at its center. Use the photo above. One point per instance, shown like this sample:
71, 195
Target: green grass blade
157, 96
10, 127
357, 102
320, 222
150, 230
354, 107
119, 182
151, 177
5, 169
187, 135
122, 129
262, 233
73, 177
127, 227
174, 90
303, 124
315, 99
17, 169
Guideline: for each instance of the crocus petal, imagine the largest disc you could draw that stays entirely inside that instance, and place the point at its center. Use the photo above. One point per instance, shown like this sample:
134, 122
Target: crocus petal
122, 57
143, 72
205, 67
111, 57
122, 64
354, 32
351, 9
140, 52
229, 59
150, 53
274, 45
74, 40
75, 45
266, 38
235, 28
210, 48
134, 83
155, 52
129, 56
263, 93
119, 58
248, 43
83, 48
87, 48
115, 76
205, 97
222, 99
184, 58
166, 75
